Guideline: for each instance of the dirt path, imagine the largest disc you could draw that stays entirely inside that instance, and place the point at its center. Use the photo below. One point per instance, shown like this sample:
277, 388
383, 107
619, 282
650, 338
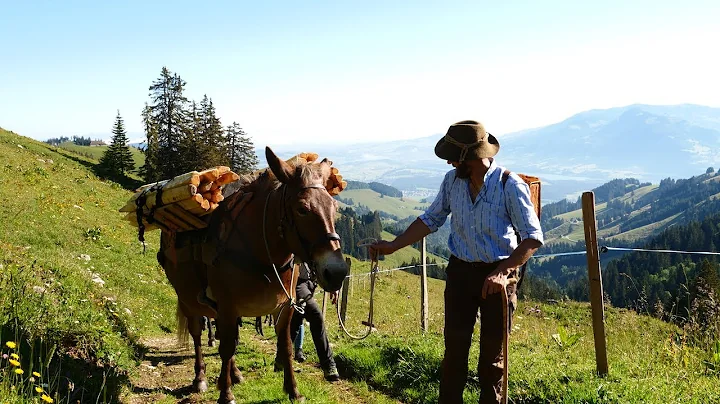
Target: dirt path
166, 372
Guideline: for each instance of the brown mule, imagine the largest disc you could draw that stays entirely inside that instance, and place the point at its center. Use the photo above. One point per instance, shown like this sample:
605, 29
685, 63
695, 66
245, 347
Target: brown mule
228, 270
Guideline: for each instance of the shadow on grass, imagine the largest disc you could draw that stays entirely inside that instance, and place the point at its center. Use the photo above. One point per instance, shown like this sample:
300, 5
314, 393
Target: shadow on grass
124, 181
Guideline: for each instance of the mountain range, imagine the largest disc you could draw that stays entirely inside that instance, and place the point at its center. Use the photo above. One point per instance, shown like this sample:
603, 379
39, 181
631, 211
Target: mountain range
646, 142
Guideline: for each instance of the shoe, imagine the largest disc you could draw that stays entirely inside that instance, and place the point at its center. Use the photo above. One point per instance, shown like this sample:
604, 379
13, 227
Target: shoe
300, 356
331, 373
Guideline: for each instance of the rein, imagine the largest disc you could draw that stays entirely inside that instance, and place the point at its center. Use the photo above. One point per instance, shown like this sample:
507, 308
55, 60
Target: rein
373, 273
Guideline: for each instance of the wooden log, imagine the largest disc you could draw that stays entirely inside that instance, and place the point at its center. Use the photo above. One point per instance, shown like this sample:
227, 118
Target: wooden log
168, 196
193, 202
227, 178
190, 178
334, 171
338, 178
207, 186
216, 196
209, 175
167, 217
185, 216
132, 218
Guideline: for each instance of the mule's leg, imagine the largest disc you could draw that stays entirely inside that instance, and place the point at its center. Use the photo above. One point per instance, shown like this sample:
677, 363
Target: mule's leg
228, 332
195, 329
235, 375
284, 351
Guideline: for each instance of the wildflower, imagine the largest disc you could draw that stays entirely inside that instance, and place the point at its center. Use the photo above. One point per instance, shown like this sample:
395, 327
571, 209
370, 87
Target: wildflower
19, 371
10, 345
5, 356
14, 362
32, 379
36, 374
39, 389
46, 398
15, 356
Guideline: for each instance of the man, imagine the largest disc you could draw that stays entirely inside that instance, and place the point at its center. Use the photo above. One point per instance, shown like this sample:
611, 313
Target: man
485, 252
304, 293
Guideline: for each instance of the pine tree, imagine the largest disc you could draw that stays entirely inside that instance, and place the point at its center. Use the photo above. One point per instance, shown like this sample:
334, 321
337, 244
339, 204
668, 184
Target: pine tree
212, 135
241, 150
169, 115
117, 159
192, 147
149, 171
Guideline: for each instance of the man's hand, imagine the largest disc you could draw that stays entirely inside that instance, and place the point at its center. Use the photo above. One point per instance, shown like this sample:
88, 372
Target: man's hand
334, 297
382, 248
495, 282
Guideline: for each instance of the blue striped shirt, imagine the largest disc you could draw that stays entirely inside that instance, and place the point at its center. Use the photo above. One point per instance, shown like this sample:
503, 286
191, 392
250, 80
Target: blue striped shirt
482, 231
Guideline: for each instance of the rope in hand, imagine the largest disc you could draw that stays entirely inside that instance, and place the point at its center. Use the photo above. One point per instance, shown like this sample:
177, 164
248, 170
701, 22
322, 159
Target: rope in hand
373, 273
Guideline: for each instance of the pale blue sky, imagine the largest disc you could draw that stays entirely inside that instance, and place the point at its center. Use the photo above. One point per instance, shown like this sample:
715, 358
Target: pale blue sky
306, 72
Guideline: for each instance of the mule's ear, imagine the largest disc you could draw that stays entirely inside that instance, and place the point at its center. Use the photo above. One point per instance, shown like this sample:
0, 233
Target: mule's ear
282, 170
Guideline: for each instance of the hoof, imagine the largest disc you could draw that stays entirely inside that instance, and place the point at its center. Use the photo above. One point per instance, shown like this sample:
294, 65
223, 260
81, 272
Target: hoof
298, 399
200, 387
237, 377
211, 344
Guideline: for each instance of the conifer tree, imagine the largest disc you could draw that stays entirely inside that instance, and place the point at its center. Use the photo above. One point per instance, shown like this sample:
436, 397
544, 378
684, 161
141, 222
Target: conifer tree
212, 135
168, 113
117, 159
192, 147
149, 171
241, 150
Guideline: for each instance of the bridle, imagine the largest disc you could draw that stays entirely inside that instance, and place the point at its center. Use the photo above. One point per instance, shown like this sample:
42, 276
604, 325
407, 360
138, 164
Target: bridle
285, 223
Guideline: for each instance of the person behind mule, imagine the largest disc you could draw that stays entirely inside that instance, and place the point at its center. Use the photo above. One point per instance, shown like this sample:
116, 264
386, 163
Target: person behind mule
486, 210
305, 290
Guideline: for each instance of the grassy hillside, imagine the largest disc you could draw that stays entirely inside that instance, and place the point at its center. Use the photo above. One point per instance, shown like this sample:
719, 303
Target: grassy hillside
96, 152
394, 206
73, 276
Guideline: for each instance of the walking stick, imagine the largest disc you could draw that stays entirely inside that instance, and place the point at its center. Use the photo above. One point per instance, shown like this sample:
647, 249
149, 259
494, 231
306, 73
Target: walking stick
506, 338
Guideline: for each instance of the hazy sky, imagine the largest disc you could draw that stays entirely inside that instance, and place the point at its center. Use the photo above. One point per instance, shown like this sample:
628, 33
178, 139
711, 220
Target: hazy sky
306, 72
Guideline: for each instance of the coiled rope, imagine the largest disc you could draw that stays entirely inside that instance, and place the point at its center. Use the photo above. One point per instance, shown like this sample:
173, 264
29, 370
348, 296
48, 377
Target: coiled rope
373, 274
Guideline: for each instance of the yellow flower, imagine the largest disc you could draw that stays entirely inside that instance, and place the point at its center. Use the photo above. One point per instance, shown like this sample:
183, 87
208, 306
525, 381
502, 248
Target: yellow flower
14, 356
36, 374
46, 398
10, 344
39, 389
14, 362
19, 371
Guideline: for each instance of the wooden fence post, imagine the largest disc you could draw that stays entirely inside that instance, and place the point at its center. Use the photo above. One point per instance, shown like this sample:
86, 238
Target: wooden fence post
423, 287
595, 278
343, 301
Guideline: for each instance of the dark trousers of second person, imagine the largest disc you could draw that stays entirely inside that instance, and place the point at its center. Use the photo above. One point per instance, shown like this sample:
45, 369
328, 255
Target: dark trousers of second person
463, 297
313, 315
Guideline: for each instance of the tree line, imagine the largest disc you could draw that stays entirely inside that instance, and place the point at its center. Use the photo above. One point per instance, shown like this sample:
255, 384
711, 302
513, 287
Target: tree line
184, 135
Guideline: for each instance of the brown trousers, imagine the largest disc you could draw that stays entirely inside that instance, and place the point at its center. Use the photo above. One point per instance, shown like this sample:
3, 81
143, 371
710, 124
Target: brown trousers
463, 297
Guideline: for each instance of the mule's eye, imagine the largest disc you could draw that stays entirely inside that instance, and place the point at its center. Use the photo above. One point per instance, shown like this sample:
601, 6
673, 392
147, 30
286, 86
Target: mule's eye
302, 211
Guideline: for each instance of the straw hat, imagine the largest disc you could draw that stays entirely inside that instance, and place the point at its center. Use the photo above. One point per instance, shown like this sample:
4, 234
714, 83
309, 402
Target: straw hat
466, 140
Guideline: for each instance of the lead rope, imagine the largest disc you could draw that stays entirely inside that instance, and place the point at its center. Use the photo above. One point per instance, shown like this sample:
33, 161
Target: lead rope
374, 269
291, 299
506, 338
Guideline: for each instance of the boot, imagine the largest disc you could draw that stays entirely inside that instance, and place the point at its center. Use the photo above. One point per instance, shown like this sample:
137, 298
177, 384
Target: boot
300, 356
331, 373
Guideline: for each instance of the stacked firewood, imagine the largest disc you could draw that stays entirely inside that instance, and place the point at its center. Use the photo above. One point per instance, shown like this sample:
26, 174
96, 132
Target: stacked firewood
334, 184
180, 204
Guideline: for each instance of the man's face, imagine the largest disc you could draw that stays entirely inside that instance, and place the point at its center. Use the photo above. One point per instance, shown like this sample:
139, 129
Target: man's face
462, 170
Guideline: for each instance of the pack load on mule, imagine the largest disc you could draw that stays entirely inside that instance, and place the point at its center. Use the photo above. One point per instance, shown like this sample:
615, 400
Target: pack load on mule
184, 202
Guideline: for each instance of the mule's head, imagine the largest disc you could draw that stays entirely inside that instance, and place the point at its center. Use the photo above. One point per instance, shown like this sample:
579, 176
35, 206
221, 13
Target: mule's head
308, 218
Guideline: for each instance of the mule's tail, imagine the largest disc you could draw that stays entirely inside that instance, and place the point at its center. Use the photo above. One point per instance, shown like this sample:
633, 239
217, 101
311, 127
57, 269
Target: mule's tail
183, 334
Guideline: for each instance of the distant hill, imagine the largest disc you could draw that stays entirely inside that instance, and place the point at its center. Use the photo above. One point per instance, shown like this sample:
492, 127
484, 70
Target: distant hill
646, 142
